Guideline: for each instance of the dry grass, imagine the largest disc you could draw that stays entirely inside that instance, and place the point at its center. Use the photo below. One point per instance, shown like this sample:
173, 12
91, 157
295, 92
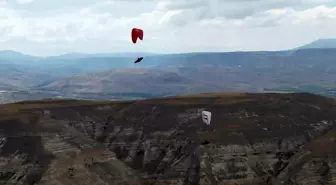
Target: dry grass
209, 136
24, 110
324, 146
206, 98
207, 95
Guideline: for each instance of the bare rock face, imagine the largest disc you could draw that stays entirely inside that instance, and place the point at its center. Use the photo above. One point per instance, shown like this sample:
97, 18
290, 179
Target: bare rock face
250, 141
253, 139
56, 153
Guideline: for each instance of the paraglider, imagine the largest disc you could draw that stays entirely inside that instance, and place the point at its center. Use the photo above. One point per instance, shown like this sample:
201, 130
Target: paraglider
137, 34
206, 117
138, 60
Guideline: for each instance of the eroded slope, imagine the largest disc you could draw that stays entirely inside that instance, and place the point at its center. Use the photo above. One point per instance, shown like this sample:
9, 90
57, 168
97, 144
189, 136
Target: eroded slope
254, 138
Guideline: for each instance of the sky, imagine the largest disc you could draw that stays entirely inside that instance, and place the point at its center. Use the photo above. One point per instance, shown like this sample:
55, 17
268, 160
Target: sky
54, 27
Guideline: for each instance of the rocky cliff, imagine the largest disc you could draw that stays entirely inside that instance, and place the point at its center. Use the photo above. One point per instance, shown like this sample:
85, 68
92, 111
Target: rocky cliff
253, 139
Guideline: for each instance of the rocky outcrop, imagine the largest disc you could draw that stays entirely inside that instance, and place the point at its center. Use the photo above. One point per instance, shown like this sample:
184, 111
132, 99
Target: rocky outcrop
56, 154
253, 139
249, 141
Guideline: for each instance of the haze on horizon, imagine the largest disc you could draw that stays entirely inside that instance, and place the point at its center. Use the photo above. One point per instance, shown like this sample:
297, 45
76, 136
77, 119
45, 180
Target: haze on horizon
49, 27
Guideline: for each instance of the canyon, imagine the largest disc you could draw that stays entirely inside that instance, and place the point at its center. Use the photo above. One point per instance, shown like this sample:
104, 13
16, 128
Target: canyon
254, 139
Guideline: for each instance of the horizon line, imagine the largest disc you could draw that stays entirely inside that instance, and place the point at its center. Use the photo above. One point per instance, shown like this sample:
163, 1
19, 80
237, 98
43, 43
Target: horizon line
152, 54
171, 53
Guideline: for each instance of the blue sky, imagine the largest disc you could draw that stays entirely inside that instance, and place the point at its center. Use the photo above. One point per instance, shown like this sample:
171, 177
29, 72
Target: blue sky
53, 27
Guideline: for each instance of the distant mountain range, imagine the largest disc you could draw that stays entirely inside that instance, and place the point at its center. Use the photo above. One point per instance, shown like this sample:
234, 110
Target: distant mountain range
320, 44
195, 73
114, 75
97, 55
9, 54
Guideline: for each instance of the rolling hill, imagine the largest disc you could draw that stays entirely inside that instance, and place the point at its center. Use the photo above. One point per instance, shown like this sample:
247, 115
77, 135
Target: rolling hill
158, 82
213, 72
113, 76
254, 139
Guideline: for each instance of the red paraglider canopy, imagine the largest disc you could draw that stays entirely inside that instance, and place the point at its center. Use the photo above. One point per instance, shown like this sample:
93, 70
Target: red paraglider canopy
136, 33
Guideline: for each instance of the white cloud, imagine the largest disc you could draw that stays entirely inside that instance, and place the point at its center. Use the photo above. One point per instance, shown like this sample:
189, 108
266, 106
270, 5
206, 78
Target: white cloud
170, 26
24, 1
